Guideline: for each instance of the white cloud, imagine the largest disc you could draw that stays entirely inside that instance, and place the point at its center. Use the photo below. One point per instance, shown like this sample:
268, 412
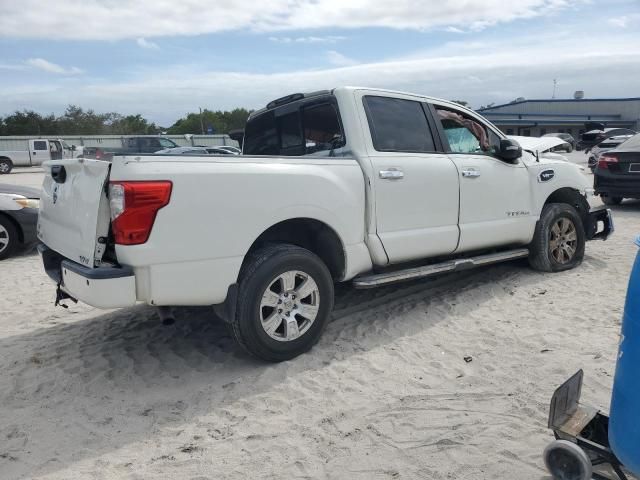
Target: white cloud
338, 59
495, 71
626, 21
309, 39
47, 66
144, 43
154, 18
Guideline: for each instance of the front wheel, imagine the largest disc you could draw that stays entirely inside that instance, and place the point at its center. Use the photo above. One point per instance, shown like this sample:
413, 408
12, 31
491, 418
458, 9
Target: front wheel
611, 200
559, 239
285, 298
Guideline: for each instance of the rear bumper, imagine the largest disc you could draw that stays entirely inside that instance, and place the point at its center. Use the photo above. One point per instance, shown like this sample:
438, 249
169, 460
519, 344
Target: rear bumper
103, 287
599, 224
609, 185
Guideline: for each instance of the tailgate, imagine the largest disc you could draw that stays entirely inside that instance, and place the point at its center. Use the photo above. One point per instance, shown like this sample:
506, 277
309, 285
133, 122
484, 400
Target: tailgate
74, 210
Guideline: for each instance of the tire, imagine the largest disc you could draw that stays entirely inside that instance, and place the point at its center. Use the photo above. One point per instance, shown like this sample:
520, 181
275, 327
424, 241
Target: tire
558, 240
611, 200
6, 166
264, 290
567, 461
8, 238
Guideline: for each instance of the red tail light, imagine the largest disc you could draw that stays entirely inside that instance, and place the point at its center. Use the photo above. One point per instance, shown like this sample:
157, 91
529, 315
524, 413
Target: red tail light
134, 206
604, 160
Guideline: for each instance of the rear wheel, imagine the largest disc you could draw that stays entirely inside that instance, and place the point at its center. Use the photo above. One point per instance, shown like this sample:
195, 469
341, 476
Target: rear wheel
285, 298
8, 238
559, 239
611, 200
5, 166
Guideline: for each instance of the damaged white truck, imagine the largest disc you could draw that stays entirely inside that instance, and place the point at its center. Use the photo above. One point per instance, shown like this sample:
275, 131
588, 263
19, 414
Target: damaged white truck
354, 184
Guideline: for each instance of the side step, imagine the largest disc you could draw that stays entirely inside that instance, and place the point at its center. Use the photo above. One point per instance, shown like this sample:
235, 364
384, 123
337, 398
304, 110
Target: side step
377, 280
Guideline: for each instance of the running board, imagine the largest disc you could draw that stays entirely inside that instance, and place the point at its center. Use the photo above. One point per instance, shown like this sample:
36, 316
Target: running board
377, 280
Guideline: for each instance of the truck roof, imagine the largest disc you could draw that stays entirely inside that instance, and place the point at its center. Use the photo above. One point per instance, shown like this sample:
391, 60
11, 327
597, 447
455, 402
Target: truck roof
299, 96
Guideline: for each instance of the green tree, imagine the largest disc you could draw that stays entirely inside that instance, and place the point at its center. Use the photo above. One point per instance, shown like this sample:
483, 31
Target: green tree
221, 121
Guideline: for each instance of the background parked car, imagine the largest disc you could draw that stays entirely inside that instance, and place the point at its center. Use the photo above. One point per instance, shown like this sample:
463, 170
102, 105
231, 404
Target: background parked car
568, 138
593, 137
604, 146
18, 217
617, 173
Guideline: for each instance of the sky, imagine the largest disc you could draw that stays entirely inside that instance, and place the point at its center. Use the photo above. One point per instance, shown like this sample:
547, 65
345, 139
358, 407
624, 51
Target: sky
165, 58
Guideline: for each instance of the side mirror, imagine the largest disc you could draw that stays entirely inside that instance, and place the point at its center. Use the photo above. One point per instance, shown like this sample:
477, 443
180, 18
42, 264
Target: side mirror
510, 150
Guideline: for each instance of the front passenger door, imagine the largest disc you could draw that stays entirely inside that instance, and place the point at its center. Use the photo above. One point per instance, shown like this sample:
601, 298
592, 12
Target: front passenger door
495, 195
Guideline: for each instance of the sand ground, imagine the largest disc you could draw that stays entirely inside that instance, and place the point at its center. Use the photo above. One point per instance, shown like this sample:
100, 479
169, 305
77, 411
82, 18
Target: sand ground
386, 393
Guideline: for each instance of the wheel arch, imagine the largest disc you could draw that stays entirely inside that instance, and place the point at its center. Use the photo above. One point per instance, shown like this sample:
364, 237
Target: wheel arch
573, 197
311, 234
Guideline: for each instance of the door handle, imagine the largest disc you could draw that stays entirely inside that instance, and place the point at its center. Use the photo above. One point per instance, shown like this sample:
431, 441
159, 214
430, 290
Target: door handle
392, 174
470, 172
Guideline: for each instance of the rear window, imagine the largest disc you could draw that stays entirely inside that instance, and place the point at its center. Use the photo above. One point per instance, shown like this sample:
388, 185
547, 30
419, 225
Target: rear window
295, 130
39, 145
398, 125
633, 142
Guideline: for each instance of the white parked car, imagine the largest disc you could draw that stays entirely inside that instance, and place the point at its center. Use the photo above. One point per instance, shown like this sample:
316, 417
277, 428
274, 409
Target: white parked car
350, 185
34, 153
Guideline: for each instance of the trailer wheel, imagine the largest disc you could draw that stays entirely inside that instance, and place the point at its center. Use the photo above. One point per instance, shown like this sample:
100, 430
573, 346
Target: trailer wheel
6, 166
567, 461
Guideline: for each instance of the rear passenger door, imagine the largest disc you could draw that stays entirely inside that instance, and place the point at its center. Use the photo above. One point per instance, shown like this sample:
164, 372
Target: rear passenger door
415, 186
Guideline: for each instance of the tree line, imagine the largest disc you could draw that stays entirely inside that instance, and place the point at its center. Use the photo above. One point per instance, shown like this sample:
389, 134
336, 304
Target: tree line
77, 121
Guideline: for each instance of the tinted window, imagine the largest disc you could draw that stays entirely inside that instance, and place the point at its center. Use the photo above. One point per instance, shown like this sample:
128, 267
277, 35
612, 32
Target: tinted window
291, 131
39, 145
131, 143
322, 132
165, 143
398, 125
261, 136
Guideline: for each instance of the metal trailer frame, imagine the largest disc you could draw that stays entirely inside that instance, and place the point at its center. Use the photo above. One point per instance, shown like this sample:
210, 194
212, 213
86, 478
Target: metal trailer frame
585, 426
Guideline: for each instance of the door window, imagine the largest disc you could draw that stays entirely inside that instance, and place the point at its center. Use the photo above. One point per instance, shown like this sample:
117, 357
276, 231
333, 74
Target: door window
165, 143
467, 135
398, 125
39, 145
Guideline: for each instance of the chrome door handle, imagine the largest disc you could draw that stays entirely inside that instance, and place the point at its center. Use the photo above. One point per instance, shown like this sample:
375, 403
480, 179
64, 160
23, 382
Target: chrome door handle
470, 172
392, 174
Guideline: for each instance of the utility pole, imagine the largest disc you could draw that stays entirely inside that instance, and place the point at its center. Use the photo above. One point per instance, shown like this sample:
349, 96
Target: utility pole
201, 122
555, 84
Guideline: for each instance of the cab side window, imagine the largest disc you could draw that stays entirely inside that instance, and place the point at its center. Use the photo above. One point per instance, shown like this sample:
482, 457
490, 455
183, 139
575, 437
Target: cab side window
398, 125
40, 145
467, 135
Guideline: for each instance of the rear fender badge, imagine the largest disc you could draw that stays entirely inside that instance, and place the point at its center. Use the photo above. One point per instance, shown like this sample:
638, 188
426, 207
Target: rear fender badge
546, 175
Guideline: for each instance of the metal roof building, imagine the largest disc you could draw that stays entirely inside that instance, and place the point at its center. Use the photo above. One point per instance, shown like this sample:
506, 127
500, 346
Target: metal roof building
537, 117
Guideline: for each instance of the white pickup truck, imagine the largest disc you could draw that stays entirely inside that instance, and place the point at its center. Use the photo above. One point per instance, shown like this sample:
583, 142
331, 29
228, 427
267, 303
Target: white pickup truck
353, 184
34, 152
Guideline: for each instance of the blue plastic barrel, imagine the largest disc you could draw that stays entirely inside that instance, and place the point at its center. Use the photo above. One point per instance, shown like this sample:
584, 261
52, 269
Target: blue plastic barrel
624, 418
